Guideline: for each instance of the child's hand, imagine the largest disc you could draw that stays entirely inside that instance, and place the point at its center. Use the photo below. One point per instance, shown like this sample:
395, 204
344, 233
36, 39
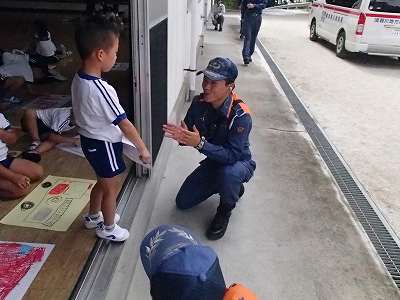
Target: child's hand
145, 156
22, 181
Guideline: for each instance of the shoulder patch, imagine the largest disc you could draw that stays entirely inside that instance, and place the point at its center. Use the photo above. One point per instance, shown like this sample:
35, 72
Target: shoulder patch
244, 107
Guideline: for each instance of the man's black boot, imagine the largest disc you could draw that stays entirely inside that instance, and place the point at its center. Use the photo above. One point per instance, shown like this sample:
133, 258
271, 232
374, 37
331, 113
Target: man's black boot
218, 225
246, 61
241, 190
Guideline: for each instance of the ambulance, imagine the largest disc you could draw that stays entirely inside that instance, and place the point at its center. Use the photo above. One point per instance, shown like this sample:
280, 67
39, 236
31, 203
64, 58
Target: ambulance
366, 26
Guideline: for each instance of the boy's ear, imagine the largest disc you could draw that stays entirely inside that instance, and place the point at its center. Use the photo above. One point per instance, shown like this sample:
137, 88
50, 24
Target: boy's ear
99, 54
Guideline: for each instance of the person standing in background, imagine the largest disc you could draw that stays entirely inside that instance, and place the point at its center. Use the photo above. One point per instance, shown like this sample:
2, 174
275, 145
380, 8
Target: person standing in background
252, 11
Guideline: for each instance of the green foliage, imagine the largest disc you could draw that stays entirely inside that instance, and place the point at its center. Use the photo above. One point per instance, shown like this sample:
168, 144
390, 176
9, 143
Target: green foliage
230, 4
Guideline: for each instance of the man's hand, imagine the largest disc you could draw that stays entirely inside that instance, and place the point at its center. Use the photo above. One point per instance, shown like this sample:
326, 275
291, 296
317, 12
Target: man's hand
250, 5
173, 131
21, 181
190, 138
182, 134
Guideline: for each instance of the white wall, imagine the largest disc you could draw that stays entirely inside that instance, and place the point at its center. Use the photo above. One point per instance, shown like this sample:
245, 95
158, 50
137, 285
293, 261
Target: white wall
179, 42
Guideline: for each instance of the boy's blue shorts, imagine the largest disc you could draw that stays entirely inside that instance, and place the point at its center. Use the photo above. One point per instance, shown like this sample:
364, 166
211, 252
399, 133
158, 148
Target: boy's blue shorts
104, 157
7, 162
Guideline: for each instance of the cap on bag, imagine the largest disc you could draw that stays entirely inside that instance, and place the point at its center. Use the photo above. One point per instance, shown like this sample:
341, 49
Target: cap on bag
179, 267
220, 68
239, 292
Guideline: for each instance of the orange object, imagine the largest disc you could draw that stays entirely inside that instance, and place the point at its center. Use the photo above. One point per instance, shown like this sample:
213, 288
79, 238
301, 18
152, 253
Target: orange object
239, 292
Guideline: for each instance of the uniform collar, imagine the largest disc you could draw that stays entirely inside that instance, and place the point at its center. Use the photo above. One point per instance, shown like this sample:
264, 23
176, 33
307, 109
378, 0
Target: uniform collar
225, 108
87, 76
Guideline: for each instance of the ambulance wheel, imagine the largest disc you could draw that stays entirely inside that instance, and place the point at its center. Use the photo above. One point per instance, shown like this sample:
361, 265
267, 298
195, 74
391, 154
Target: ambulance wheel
341, 45
313, 31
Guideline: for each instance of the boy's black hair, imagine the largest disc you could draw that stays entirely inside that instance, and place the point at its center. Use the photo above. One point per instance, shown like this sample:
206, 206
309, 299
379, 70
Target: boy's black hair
95, 33
41, 29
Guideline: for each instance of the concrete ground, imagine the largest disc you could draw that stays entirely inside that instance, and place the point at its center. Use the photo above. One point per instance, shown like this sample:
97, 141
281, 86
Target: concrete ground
291, 236
354, 100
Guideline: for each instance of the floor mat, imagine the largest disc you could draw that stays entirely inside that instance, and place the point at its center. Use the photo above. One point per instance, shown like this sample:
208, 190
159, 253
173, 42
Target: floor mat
53, 205
49, 101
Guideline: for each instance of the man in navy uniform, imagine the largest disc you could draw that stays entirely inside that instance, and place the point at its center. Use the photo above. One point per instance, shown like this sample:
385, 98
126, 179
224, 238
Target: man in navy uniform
218, 125
252, 12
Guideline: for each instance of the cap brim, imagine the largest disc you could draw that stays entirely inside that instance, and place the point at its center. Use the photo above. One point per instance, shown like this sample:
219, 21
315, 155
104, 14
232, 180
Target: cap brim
211, 75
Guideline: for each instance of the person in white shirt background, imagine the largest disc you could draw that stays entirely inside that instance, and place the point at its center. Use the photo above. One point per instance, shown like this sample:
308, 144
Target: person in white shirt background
48, 128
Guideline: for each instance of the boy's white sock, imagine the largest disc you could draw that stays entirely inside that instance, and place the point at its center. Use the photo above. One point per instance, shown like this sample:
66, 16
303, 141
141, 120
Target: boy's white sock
109, 227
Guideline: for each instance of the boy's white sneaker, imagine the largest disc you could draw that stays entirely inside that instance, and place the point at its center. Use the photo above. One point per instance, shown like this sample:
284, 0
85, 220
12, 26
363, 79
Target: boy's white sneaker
117, 234
93, 223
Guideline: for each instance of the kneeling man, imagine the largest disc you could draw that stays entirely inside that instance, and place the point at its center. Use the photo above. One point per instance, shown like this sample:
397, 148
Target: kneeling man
217, 124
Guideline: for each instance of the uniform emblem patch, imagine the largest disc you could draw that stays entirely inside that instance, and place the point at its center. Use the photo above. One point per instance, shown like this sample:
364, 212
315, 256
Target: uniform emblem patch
240, 129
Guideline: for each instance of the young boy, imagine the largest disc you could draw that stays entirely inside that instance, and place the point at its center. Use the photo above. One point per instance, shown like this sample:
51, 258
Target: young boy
47, 128
15, 174
101, 121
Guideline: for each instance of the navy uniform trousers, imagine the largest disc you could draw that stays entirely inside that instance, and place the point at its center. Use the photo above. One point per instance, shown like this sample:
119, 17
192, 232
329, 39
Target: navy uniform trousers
211, 178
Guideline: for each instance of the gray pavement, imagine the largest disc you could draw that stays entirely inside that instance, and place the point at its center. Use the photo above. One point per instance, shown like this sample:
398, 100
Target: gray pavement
291, 236
354, 100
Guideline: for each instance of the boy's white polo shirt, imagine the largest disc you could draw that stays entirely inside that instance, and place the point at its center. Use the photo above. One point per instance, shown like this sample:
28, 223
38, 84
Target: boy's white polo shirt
16, 65
96, 108
4, 124
58, 119
46, 47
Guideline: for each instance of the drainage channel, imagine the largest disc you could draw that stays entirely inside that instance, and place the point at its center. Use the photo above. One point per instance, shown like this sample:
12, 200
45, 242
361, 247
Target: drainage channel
379, 235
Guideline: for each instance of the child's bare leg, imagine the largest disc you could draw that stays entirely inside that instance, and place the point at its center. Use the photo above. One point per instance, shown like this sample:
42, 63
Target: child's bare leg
110, 192
96, 197
60, 139
45, 146
13, 84
9, 190
30, 124
25, 167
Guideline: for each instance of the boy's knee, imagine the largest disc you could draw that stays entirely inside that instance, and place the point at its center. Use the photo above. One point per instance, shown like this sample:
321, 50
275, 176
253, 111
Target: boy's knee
36, 172
18, 192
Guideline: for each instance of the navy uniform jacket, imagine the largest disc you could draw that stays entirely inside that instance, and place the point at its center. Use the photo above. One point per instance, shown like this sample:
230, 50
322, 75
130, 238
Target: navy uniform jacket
227, 139
260, 5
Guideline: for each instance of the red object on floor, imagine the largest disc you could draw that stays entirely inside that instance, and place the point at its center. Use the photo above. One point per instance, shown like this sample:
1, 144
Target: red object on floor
59, 189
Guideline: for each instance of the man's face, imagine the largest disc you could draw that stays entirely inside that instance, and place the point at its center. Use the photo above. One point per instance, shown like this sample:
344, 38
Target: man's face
214, 90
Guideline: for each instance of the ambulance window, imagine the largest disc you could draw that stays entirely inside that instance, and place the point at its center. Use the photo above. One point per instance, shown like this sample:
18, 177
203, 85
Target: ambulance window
343, 3
391, 6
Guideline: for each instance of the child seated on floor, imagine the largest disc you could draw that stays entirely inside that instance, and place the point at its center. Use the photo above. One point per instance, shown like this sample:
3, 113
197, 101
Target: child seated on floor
47, 128
16, 174
15, 71
43, 50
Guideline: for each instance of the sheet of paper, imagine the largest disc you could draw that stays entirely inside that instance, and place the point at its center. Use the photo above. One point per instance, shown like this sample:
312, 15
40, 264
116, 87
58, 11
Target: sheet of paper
53, 205
131, 152
19, 265
77, 150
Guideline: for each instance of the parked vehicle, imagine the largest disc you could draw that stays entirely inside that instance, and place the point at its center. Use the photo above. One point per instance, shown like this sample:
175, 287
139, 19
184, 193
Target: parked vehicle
367, 26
